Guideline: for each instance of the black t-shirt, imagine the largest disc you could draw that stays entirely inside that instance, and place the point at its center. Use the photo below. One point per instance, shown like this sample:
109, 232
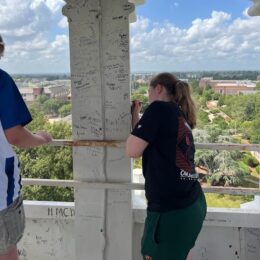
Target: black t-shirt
171, 181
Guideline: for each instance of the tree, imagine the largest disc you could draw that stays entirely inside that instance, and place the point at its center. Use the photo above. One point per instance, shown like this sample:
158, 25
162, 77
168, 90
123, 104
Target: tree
249, 111
65, 110
51, 106
222, 167
220, 121
214, 131
195, 87
47, 162
258, 86
207, 94
202, 118
42, 98
254, 132
221, 101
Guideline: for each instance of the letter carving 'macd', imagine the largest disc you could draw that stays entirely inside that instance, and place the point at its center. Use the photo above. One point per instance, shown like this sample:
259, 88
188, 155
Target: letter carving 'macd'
255, 9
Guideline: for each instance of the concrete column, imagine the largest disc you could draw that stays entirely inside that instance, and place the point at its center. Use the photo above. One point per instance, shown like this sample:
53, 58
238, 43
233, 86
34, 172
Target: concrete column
255, 9
99, 51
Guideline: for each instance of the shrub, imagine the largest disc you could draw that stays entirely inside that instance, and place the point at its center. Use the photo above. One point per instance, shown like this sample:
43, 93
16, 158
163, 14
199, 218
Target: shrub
245, 168
214, 111
250, 160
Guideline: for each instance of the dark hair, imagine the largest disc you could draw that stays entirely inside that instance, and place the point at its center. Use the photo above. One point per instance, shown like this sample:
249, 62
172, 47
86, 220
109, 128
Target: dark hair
180, 92
2, 46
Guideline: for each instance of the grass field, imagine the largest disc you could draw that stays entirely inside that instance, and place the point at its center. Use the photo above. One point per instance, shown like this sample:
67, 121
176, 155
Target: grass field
226, 200
233, 201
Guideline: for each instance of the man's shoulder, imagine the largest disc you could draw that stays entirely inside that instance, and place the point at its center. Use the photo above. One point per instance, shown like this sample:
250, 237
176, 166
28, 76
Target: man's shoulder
4, 75
2, 72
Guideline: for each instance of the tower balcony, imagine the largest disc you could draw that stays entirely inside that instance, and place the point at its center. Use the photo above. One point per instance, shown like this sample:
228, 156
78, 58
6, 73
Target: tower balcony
227, 233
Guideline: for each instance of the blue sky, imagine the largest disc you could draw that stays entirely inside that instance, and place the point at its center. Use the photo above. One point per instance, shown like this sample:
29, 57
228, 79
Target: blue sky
183, 12
168, 35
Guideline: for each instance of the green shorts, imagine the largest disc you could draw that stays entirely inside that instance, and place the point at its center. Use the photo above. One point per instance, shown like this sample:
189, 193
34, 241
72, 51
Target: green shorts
171, 235
12, 224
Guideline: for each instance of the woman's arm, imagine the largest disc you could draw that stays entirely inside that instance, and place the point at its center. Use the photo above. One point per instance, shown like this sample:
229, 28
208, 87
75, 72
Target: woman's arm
135, 146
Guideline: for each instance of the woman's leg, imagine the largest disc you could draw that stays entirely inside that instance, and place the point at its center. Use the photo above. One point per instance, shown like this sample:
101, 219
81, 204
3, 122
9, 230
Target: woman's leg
189, 257
12, 254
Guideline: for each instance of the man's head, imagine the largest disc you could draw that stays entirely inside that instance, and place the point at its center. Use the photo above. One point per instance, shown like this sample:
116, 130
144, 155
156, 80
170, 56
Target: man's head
2, 46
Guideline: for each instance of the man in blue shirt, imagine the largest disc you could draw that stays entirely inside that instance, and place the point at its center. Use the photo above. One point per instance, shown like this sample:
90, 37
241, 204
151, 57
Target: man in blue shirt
14, 115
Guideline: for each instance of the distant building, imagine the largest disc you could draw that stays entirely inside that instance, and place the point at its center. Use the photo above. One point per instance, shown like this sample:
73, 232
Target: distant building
229, 87
54, 91
58, 91
185, 80
205, 81
30, 94
142, 81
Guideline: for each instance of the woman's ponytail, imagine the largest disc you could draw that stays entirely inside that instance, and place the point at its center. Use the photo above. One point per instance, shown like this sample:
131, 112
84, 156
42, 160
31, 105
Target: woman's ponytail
180, 93
184, 100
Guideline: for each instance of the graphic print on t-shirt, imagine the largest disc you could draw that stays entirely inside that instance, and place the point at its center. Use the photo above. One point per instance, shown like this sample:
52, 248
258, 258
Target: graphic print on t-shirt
185, 151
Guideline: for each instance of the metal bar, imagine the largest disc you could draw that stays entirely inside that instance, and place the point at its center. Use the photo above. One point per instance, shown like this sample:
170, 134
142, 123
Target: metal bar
91, 143
77, 184
117, 143
232, 190
131, 186
216, 146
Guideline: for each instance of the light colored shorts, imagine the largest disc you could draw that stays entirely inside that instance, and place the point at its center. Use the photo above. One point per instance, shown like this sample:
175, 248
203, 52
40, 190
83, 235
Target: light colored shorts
12, 224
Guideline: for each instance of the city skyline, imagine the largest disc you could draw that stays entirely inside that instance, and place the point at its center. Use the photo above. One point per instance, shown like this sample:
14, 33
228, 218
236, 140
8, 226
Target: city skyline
169, 35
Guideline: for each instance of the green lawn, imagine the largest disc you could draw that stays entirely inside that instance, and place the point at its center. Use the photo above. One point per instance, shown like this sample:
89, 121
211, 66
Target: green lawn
226, 200
233, 201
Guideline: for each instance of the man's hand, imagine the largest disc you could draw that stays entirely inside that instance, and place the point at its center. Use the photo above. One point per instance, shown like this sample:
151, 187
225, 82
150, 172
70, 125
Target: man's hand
44, 135
23, 138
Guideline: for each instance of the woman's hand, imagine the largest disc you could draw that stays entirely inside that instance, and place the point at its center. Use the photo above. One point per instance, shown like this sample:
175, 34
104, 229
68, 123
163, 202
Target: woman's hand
136, 107
135, 110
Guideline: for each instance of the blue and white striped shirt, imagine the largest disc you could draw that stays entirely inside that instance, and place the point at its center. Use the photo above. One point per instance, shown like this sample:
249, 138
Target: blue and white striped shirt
13, 112
10, 180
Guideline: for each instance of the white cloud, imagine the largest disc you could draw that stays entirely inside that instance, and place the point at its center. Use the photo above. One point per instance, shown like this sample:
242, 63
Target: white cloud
34, 35
53, 5
140, 26
63, 23
29, 19
217, 42
37, 41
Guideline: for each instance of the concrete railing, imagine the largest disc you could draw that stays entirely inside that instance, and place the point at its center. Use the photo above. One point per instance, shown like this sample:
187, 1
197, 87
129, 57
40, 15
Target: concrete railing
138, 186
227, 233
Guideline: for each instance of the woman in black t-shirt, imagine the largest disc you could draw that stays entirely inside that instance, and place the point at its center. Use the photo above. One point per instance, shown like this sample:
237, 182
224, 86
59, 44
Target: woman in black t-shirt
163, 137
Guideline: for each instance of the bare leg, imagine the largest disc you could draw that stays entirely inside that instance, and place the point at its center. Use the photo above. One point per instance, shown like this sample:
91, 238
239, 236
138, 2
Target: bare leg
189, 257
12, 254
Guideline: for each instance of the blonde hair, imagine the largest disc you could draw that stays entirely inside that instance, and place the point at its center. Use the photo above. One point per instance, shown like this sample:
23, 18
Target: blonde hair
180, 92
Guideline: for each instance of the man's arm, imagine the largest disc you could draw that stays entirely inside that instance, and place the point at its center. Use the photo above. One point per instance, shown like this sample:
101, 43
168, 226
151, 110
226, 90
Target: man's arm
23, 138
